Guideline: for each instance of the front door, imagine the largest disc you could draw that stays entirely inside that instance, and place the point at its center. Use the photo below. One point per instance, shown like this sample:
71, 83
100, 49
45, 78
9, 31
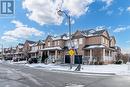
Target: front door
67, 59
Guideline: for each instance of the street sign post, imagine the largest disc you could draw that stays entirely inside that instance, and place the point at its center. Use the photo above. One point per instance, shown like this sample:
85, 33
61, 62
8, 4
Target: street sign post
71, 52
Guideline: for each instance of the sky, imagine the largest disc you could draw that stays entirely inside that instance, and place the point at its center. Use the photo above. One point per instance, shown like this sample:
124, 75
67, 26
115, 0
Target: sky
35, 19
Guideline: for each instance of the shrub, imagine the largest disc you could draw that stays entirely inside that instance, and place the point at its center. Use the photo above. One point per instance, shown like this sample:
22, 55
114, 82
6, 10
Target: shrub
96, 63
119, 62
100, 63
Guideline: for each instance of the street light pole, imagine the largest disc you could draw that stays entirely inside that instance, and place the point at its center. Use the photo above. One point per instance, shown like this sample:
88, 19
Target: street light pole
69, 23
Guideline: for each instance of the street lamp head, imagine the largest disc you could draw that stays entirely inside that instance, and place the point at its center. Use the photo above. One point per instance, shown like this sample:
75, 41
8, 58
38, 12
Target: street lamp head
59, 12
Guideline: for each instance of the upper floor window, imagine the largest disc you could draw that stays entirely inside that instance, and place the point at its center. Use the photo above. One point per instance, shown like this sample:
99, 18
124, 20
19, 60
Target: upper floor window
75, 41
81, 41
58, 43
41, 47
103, 40
32, 48
49, 44
55, 43
36, 47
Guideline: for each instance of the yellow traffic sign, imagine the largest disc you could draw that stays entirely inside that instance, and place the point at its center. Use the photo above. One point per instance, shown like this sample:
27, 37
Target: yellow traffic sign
71, 52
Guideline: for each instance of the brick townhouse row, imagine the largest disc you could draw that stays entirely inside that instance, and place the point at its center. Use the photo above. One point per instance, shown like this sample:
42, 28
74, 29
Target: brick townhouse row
91, 45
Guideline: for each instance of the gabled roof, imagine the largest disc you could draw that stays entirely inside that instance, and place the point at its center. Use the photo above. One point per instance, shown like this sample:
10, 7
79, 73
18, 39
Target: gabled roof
49, 36
92, 32
21, 44
40, 42
30, 42
99, 32
63, 37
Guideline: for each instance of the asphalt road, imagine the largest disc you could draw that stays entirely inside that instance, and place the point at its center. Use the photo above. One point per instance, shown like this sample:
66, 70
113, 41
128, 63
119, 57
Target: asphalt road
23, 76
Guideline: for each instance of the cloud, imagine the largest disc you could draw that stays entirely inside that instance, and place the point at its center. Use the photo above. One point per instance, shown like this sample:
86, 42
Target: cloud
102, 27
128, 9
45, 11
121, 10
21, 32
77, 7
108, 3
109, 13
121, 28
8, 38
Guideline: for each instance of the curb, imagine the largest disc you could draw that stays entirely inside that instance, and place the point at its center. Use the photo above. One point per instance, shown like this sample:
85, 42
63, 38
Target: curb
85, 72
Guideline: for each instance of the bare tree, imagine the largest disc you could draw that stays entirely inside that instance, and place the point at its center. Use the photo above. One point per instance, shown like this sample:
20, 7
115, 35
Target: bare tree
125, 58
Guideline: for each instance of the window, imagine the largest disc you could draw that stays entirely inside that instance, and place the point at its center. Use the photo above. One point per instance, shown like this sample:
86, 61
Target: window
36, 47
32, 48
41, 47
81, 41
58, 43
48, 43
55, 43
103, 41
75, 41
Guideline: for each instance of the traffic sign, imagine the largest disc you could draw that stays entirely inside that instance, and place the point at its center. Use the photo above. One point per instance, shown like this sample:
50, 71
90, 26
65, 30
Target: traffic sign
71, 52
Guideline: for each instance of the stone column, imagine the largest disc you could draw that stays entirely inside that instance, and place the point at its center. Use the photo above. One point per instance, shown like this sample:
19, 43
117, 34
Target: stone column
21, 55
56, 54
109, 60
48, 53
35, 55
104, 55
41, 53
90, 60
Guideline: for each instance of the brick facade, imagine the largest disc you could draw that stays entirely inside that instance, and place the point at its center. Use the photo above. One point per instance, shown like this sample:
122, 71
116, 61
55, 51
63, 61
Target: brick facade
93, 45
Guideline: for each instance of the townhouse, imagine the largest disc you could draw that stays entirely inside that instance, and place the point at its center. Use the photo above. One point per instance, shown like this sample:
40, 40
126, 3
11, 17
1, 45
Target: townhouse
27, 49
54, 46
96, 46
8, 53
18, 55
91, 47
36, 50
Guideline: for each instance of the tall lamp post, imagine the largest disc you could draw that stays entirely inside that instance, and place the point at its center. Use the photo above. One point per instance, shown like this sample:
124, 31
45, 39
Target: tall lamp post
69, 23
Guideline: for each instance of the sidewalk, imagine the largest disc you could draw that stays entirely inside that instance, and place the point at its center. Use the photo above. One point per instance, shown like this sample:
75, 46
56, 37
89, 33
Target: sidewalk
111, 69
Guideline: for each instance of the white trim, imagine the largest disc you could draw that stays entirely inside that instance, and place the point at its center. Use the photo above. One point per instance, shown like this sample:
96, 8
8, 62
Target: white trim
52, 48
95, 46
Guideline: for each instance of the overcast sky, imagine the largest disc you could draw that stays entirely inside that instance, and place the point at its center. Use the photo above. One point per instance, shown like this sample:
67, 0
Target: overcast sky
35, 19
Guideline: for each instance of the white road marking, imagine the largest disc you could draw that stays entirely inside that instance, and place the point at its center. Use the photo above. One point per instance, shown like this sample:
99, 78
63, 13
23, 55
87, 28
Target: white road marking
74, 85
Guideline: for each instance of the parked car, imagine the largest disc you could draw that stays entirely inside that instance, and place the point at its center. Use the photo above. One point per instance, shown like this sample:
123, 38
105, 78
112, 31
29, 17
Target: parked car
32, 60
